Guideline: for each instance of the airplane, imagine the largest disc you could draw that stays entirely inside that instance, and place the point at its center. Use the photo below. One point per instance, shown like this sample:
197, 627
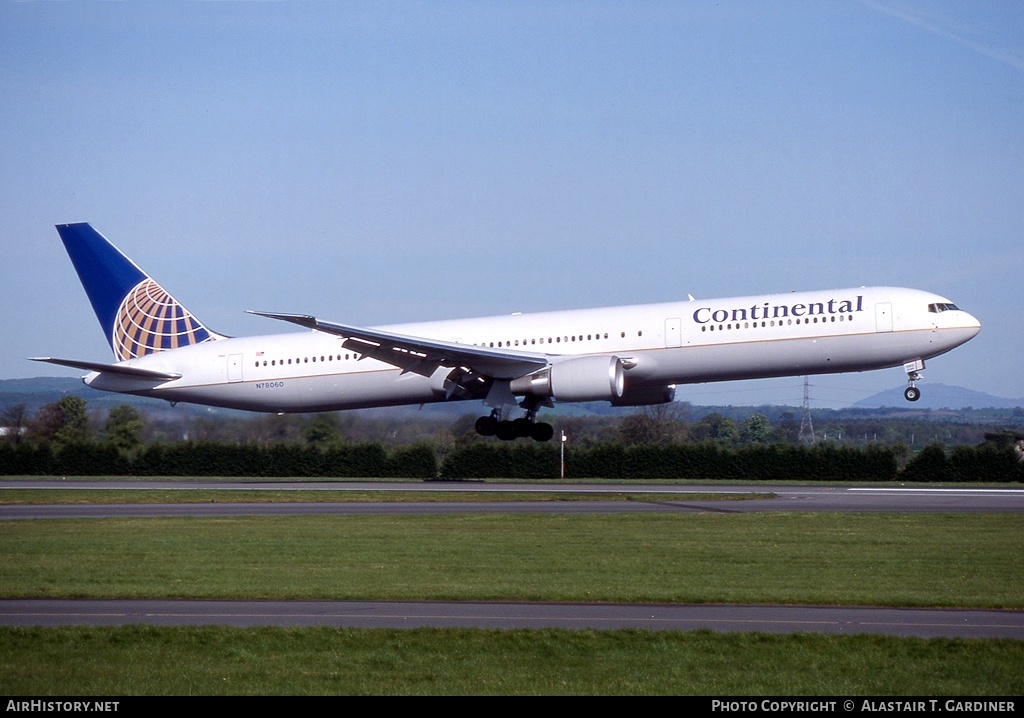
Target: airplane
626, 355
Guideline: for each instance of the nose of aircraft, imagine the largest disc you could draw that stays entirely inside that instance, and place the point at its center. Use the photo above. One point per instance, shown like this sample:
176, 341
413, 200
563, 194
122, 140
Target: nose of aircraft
971, 323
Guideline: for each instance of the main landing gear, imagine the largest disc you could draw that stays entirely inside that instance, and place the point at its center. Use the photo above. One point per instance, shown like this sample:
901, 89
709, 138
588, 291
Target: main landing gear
501, 400
509, 429
913, 369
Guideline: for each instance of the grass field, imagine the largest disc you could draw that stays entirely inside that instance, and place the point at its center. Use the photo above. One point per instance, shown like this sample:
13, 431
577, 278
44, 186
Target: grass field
144, 660
868, 559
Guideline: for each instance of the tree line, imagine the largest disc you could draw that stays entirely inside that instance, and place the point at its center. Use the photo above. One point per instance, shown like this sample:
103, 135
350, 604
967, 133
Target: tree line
61, 440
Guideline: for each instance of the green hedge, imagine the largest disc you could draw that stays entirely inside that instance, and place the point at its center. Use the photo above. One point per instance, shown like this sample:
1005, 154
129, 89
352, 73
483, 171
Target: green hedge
985, 462
676, 461
210, 459
521, 460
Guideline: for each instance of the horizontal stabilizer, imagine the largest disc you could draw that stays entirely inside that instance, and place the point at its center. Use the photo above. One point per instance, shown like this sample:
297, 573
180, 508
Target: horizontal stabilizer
121, 369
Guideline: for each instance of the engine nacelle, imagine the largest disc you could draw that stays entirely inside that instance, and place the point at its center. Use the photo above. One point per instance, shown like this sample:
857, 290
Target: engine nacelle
591, 378
646, 396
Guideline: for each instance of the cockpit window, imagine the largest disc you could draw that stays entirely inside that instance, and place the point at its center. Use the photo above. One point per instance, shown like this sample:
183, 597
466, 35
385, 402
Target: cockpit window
936, 308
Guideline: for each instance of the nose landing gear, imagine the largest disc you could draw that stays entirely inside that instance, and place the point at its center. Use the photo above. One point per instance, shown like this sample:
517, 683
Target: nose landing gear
913, 369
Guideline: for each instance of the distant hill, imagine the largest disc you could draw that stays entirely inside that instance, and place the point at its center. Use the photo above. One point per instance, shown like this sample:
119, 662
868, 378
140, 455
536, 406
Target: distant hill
938, 396
39, 391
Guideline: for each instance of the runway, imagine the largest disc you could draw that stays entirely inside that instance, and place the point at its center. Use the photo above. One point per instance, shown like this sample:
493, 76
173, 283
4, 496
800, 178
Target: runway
925, 623
846, 620
664, 497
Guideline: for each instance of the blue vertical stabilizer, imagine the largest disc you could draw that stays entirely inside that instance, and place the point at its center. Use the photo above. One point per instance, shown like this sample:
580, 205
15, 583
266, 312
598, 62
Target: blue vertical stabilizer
138, 317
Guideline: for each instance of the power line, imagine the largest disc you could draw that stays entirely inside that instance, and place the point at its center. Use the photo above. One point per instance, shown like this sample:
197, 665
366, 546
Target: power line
806, 424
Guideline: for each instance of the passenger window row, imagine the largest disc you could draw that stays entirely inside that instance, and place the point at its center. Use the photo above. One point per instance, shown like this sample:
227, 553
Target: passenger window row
305, 360
567, 339
772, 323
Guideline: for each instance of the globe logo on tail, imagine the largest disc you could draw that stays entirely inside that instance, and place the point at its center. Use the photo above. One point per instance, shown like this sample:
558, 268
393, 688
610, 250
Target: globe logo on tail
150, 320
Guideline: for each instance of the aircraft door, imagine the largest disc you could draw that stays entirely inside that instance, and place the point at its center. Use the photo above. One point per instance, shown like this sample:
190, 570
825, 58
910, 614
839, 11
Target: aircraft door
673, 332
234, 367
883, 317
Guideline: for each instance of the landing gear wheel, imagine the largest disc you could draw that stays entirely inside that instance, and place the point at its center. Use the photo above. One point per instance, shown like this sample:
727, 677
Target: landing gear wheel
542, 432
506, 430
912, 393
486, 426
522, 427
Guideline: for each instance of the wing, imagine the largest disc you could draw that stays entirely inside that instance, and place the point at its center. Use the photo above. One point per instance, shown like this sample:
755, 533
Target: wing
419, 355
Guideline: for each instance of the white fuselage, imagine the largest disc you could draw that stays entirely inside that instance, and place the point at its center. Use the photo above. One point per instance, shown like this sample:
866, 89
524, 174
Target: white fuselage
666, 344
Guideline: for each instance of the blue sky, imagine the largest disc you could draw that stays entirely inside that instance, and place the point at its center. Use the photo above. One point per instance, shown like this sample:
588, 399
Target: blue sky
388, 162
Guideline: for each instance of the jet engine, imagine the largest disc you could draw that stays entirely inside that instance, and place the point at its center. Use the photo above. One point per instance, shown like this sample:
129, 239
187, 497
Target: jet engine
589, 378
646, 395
